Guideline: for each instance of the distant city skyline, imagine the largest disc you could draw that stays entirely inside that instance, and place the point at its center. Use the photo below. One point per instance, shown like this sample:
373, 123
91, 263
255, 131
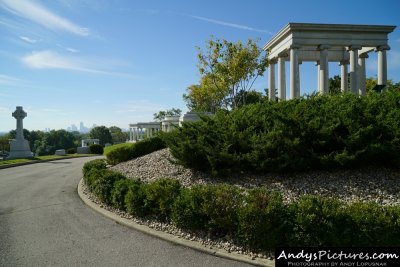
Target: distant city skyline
119, 62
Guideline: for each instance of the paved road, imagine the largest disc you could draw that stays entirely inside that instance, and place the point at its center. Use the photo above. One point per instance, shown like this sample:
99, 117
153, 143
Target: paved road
43, 222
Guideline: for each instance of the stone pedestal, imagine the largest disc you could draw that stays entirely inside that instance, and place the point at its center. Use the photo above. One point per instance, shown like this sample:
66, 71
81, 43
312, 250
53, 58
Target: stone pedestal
19, 147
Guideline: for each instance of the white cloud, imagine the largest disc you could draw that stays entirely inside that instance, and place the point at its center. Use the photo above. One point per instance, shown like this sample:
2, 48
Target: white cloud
139, 108
69, 49
228, 24
28, 40
8, 80
48, 59
39, 14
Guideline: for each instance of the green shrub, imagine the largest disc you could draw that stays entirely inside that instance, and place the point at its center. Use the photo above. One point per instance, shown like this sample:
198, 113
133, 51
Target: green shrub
118, 155
71, 150
160, 196
187, 210
146, 146
96, 149
263, 220
119, 192
98, 164
92, 176
320, 221
135, 199
127, 152
221, 204
103, 185
374, 225
316, 132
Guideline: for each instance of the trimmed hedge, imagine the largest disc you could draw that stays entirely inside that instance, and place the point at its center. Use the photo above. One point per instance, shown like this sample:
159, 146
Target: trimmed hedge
96, 149
257, 218
317, 132
131, 151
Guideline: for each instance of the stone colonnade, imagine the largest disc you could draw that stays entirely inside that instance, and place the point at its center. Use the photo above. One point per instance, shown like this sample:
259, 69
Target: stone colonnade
140, 131
348, 45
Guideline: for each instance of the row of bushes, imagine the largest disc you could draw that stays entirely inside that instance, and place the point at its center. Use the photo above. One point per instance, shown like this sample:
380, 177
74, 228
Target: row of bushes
131, 151
313, 132
257, 219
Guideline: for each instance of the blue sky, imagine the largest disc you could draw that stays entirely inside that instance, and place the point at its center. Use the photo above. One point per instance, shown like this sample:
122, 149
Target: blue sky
117, 62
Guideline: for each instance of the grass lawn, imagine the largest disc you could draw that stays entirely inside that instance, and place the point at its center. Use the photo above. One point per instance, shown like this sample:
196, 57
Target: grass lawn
50, 157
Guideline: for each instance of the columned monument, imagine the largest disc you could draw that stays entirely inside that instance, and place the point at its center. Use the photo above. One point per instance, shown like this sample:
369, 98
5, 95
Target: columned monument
324, 43
19, 147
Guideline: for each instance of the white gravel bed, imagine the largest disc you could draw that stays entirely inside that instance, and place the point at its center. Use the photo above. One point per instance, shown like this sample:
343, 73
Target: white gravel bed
380, 185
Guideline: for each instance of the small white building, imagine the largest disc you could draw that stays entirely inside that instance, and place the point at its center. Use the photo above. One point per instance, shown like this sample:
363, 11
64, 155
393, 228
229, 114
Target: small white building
89, 142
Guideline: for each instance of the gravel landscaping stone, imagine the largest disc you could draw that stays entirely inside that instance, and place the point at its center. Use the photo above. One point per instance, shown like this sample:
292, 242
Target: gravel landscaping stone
380, 185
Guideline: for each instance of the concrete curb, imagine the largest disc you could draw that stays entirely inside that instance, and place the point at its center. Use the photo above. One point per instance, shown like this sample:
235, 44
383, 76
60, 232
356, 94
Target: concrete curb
169, 237
40, 161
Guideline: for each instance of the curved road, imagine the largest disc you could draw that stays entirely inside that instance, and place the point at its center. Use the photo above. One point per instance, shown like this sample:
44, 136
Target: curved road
43, 222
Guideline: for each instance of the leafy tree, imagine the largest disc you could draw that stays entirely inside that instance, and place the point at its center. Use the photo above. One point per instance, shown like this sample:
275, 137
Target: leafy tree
335, 85
163, 113
58, 139
117, 135
249, 97
206, 97
232, 67
102, 133
4, 143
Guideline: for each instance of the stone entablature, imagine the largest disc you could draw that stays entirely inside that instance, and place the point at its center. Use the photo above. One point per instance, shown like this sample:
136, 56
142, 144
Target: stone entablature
322, 43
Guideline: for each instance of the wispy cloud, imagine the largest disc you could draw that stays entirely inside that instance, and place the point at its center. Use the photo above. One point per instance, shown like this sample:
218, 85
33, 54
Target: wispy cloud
8, 80
48, 59
39, 14
228, 24
27, 39
69, 49
139, 107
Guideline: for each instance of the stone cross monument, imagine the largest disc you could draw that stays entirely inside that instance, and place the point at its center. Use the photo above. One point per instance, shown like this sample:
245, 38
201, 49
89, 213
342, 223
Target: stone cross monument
19, 147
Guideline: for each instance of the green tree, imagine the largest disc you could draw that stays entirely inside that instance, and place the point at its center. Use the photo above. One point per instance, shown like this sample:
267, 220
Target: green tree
170, 112
335, 85
232, 67
102, 133
117, 135
249, 97
4, 143
206, 97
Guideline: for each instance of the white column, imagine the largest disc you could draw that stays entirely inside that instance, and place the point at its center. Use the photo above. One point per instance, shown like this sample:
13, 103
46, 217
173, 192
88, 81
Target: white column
282, 78
324, 68
294, 72
361, 63
354, 76
130, 134
318, 77
298, 79
271, 84
344, 87
382, 64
